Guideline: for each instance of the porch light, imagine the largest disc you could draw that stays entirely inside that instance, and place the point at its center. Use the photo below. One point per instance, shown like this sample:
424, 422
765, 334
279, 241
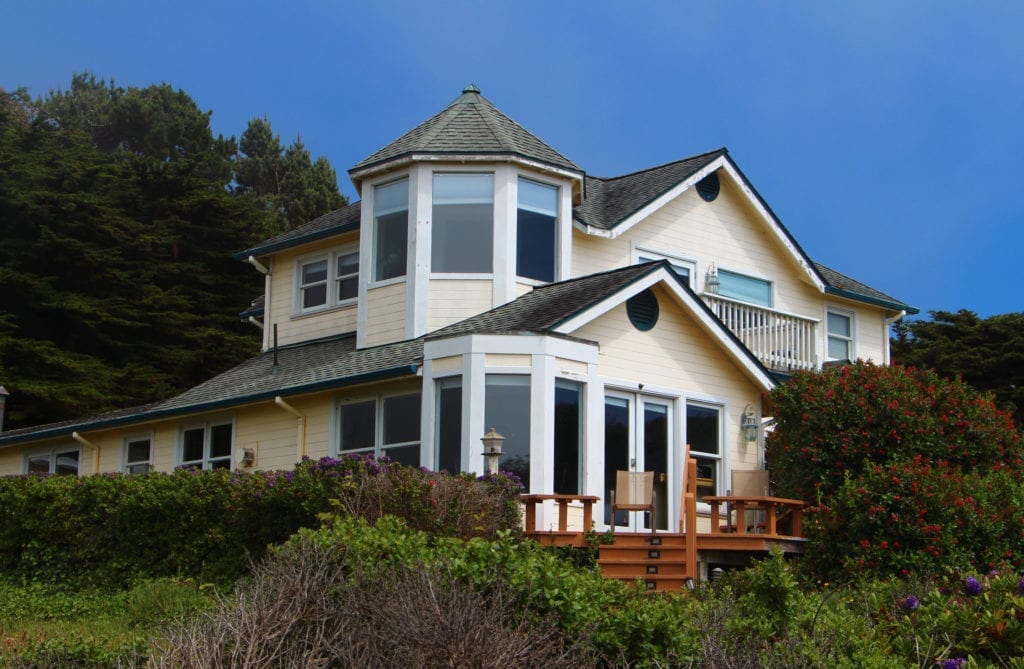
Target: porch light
749, 424
492, 449
711, 282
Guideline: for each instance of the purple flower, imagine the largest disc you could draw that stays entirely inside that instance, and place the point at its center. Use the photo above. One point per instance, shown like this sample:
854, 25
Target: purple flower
909, 603
1020, 586
954, 663
972, 586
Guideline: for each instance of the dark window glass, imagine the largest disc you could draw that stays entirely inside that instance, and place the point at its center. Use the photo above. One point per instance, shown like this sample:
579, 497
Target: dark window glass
401, 419
463, 223
391, 230
220, 441
192, 445
449, 425
67, 463
536, 231
616, 451
568, 436
507, 410
358, 426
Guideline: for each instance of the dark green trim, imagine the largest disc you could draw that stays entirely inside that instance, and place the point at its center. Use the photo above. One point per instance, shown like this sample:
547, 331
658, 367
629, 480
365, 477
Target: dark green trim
895, 306
296, 241
158, 414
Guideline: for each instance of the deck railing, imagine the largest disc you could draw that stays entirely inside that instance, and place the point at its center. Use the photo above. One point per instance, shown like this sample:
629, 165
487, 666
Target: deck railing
779, 340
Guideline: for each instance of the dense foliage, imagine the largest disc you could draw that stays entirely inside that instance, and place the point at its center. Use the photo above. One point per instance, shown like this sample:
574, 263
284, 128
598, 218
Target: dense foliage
987, 353
910, 473
114, 529
119, 211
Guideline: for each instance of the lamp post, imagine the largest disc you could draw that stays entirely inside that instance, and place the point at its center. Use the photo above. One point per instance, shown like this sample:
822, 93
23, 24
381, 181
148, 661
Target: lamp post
749, 424
492, 450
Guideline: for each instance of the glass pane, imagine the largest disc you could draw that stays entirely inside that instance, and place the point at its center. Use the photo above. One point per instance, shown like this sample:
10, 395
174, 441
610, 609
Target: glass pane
839, 324
449, 425
401, 419
507, 410
67, 463
391, 198
348, 289
358, 425
220, 464
838, 349
616, 451
390, 245
192, 445
39, 464
220, 441
702, 429
406, 455
463, 188
314, 272
538, 198
656, 458
535, 246
745, 288
707, 477
314, 296
568, 436
138, 469
348, 264
138, 451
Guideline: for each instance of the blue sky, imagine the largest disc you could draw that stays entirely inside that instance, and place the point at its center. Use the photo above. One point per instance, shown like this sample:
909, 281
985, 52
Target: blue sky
888, 137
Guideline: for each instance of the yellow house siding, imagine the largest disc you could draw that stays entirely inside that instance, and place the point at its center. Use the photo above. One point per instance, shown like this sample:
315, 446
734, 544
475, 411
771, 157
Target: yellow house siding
385, 314
453, 300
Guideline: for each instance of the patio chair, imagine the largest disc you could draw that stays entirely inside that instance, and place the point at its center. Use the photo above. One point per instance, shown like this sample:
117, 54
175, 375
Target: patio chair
634, 491
749, 483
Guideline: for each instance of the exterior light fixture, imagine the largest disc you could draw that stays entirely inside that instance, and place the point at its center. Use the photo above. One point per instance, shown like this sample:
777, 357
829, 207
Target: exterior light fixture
248, 457
690, 584
492, 449
749, 424
711, 282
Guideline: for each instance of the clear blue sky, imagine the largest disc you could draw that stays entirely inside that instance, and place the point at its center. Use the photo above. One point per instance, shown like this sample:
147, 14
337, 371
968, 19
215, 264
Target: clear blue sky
887, 136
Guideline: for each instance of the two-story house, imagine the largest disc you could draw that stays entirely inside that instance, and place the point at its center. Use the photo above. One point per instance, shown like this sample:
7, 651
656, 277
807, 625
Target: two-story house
486, 281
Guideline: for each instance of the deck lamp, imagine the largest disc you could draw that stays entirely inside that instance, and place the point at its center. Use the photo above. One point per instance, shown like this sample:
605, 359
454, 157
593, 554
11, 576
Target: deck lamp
711, 282
492, 449
749, 424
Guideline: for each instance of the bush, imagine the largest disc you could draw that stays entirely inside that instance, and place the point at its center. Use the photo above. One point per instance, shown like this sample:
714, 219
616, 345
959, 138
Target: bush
111, 530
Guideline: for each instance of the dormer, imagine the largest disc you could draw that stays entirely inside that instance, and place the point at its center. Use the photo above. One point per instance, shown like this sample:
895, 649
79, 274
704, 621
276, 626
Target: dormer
462, 214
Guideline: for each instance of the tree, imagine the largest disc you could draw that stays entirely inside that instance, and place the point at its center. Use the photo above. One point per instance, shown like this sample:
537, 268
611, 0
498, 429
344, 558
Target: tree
987, 353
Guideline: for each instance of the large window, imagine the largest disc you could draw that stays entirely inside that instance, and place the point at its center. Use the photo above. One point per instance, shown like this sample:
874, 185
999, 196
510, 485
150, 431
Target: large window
463, 224
703, 434
840, 335
383, 426
327, 280
449, 424
745, 288
63, 461
207, 445
138, 455
568, 436
536, 231
390, 230
507, 410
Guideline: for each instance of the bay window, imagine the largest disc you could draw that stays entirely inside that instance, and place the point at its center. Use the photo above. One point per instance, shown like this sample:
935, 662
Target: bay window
462, 229
536, 230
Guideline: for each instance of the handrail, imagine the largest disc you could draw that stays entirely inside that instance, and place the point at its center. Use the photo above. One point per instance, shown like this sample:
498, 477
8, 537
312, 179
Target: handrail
532, 500
780, 340
794, 508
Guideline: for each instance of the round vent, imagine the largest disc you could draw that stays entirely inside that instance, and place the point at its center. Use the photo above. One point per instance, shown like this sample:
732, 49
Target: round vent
708, 187
642, 310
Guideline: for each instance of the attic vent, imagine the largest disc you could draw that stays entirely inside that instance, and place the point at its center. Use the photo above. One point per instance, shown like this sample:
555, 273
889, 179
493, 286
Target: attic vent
642, 310
708, 187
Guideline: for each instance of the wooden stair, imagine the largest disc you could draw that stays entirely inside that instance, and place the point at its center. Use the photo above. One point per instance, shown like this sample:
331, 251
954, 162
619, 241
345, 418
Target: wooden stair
659, 560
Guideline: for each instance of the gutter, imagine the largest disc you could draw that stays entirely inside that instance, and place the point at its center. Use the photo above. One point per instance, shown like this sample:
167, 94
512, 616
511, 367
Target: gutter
839, 292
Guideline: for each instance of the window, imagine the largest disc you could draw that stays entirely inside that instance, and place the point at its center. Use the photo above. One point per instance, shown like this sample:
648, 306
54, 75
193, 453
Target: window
536, 231
390, 230
449, 424
327, 280
60, 461
463, 223
207, 446
840, 335
684, 269
384, 426
138, 455
507, 410
744, 288
568, 436
703, 434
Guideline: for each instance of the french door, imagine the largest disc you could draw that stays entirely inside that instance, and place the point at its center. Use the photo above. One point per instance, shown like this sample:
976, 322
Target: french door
638, 437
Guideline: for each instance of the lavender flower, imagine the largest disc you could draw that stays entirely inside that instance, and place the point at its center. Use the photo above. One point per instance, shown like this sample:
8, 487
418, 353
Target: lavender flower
954, 663
972, 586
910, 603
1020, 586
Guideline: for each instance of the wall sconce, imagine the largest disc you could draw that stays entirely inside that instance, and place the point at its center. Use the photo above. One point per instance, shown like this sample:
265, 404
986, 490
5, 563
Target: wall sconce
492, 449
749, 424
248, 457
711, 282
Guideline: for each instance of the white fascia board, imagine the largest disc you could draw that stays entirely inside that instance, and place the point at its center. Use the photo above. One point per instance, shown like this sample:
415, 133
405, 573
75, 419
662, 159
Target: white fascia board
773, 225
358, 177
513, 344
693, 307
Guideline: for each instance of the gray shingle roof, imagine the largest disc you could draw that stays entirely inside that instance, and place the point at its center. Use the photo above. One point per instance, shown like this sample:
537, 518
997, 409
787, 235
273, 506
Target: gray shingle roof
612, 200
840, 284
469, 125
333, 223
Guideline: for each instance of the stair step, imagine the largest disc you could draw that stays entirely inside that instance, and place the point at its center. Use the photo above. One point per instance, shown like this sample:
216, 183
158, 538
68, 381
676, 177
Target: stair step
657, 583
632, 569
641, 553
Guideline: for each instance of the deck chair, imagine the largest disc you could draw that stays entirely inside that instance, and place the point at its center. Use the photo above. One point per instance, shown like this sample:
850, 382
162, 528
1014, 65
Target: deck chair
749, 483
634, 491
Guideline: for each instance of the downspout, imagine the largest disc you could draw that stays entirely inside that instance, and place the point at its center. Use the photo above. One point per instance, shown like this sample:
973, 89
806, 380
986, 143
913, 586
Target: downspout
255, 322
300, 438
888, 325
95, 450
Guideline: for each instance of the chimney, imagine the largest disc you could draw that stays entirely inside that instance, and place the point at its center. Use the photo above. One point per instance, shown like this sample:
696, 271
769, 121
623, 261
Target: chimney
3, 402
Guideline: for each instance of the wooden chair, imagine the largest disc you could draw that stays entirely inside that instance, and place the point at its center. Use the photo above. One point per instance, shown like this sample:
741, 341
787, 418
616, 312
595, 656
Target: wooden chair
634, 491
749, 483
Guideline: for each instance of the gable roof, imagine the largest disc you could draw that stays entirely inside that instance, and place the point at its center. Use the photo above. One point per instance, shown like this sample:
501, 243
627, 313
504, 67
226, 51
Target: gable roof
844, 286
332, 223
471, 124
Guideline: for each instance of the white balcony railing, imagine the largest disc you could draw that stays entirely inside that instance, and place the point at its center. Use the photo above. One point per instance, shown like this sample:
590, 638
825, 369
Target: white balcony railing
780, 341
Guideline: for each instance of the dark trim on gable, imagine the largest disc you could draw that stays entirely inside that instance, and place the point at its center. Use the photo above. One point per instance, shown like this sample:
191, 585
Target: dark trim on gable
299, 240
895, 306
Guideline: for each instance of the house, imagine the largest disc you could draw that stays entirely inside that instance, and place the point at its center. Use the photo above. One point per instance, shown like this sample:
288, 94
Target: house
485, 281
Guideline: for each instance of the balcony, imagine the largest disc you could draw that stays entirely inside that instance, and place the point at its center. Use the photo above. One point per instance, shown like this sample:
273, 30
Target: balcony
781, 341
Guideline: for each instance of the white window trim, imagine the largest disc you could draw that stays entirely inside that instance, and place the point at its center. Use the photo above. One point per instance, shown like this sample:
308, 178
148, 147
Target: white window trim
52, 453
206, 426
690, 263
852, 339
379, 447
770, 282
723, 444
332, 302
131, 438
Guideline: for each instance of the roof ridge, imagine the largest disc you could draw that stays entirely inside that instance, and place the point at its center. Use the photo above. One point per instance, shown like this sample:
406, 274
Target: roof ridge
721, 150
492, 123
